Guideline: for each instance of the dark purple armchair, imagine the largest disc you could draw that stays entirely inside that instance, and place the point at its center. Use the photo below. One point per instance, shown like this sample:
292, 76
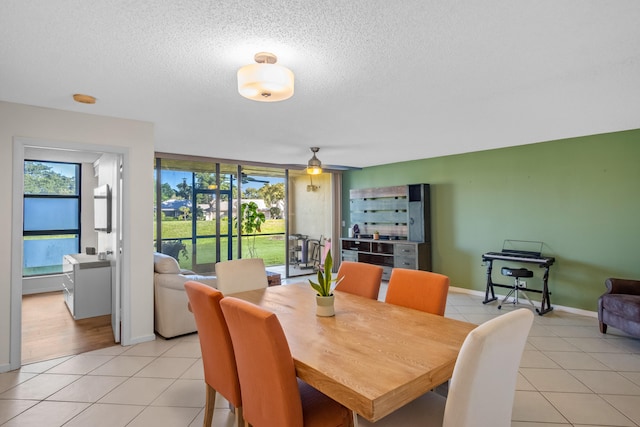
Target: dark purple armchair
620, 306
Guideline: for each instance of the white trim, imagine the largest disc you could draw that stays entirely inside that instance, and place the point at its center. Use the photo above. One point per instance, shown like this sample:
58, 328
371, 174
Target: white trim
15, 328
555, 307
141, 339
41, 284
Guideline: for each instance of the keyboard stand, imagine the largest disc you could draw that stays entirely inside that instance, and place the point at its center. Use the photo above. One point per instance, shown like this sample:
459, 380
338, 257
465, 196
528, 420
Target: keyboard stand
543, 262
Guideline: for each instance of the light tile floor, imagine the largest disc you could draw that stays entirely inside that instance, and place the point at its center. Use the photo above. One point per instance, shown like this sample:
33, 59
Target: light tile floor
570, 375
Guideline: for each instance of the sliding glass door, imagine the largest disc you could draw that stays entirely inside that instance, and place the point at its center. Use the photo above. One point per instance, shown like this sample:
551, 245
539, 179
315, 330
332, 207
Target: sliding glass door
198, 206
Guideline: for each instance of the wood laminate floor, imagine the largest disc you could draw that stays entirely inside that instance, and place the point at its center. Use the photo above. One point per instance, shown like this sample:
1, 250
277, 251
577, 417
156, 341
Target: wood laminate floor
49, 331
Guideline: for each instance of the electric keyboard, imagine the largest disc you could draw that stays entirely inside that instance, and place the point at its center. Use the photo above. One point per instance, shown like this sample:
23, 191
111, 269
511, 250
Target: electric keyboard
520, 256
530, 257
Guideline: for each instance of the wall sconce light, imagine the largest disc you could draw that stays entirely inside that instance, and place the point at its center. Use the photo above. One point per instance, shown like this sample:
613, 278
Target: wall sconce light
314, 166
265, 81
312, 187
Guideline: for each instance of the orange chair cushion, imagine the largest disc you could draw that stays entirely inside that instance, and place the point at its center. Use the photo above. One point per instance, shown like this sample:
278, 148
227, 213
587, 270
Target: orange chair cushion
421, 290
218, 359
360, 279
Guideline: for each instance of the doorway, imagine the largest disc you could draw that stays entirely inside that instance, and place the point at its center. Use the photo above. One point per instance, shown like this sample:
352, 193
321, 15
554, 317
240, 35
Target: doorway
45, 291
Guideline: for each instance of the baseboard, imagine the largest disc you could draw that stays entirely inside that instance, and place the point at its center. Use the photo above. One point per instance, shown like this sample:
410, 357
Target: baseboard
572, 310
41, 284
5, 368
141, 339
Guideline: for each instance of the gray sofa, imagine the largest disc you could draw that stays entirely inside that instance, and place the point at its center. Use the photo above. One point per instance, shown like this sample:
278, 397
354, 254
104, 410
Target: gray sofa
620, 306
171, 314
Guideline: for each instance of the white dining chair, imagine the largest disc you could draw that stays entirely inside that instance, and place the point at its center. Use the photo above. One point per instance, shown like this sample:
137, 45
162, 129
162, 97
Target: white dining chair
240, 275
482, 388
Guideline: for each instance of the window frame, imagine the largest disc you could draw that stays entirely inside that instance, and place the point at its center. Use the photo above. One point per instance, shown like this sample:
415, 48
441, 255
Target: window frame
53, 232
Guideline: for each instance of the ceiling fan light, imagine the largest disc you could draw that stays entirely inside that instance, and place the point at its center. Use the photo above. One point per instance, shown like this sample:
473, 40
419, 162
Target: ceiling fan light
265, 81
314, 165
314, 170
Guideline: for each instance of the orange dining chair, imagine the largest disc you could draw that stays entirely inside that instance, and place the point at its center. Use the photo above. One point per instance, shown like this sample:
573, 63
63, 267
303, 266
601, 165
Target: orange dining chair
272, 396
220, 372
421, 290
359, 278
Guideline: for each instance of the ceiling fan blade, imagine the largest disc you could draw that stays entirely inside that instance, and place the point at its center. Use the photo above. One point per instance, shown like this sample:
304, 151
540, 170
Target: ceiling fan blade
327, 167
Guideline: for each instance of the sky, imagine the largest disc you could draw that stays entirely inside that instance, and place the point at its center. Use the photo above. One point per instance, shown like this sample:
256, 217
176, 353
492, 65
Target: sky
175, 177
172, 177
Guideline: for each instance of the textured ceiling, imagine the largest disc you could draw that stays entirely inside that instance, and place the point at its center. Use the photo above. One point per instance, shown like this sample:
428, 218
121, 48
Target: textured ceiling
376, 81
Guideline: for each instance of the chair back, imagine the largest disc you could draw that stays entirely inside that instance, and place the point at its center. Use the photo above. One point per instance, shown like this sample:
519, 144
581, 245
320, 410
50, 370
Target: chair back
266, 370
482, 388
218, 358
421, 290
240, 275
360, 278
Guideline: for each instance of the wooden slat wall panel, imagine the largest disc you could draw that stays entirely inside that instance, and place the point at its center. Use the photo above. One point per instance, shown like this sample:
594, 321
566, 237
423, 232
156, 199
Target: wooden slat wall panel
386, 204
384, 210
384, 217
365, 193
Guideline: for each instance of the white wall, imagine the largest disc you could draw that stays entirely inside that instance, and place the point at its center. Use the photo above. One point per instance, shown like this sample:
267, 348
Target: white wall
88, 237
310, 212
107, 167
133, 137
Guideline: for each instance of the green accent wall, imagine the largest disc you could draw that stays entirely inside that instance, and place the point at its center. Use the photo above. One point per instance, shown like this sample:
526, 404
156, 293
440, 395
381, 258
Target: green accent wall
580, 196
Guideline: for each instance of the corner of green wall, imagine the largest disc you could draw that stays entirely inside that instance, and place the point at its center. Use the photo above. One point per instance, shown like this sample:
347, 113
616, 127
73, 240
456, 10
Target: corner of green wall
580, 196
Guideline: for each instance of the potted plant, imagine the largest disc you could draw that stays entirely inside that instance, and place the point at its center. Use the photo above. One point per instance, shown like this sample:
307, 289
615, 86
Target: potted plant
250, 220
324, 298
376, 235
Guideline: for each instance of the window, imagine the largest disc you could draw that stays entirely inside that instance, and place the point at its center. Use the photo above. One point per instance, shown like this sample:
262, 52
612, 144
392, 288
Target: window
51, 221
196, 217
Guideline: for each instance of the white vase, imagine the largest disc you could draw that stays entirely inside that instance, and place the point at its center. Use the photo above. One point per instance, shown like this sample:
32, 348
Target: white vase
324, 306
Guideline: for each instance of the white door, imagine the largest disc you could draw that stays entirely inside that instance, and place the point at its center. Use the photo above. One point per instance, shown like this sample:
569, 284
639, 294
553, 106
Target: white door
115, 291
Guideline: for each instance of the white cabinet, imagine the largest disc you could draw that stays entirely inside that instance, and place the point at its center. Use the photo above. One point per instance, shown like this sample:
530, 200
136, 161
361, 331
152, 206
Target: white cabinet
86, 285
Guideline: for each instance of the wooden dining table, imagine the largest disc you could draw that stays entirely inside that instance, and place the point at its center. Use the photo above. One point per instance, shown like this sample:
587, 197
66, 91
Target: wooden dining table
372, 357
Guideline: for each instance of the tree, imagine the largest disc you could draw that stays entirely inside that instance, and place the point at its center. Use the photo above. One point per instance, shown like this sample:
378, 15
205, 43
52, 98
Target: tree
186, 212
167, 191
184, 190
272, 194
251, 193
40, 178
275, 212
206, 180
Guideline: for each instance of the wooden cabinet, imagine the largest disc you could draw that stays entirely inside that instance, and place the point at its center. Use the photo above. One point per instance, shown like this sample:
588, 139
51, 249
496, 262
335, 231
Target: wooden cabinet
401, 212
86, 285
387, 254
401, 215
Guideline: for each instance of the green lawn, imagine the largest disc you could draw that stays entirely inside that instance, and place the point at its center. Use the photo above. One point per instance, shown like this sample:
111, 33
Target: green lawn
268, 246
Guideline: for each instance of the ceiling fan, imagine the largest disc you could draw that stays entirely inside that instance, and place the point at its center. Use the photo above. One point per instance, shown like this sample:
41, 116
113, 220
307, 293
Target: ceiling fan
247, 179
314, 166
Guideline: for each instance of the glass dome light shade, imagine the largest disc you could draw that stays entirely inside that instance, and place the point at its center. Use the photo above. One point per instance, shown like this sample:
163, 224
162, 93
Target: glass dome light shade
265, 82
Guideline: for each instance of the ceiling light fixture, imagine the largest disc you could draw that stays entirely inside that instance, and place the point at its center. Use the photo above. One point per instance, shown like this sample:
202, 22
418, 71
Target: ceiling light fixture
265, 81
84, 99
314, 165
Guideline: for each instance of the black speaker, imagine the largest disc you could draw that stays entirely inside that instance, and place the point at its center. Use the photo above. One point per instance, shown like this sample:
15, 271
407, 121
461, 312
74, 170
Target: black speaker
419, 213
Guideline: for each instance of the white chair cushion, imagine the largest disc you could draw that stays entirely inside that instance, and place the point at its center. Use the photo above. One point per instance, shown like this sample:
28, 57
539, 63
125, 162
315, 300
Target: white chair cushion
241, 275
482, 388
165, 264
